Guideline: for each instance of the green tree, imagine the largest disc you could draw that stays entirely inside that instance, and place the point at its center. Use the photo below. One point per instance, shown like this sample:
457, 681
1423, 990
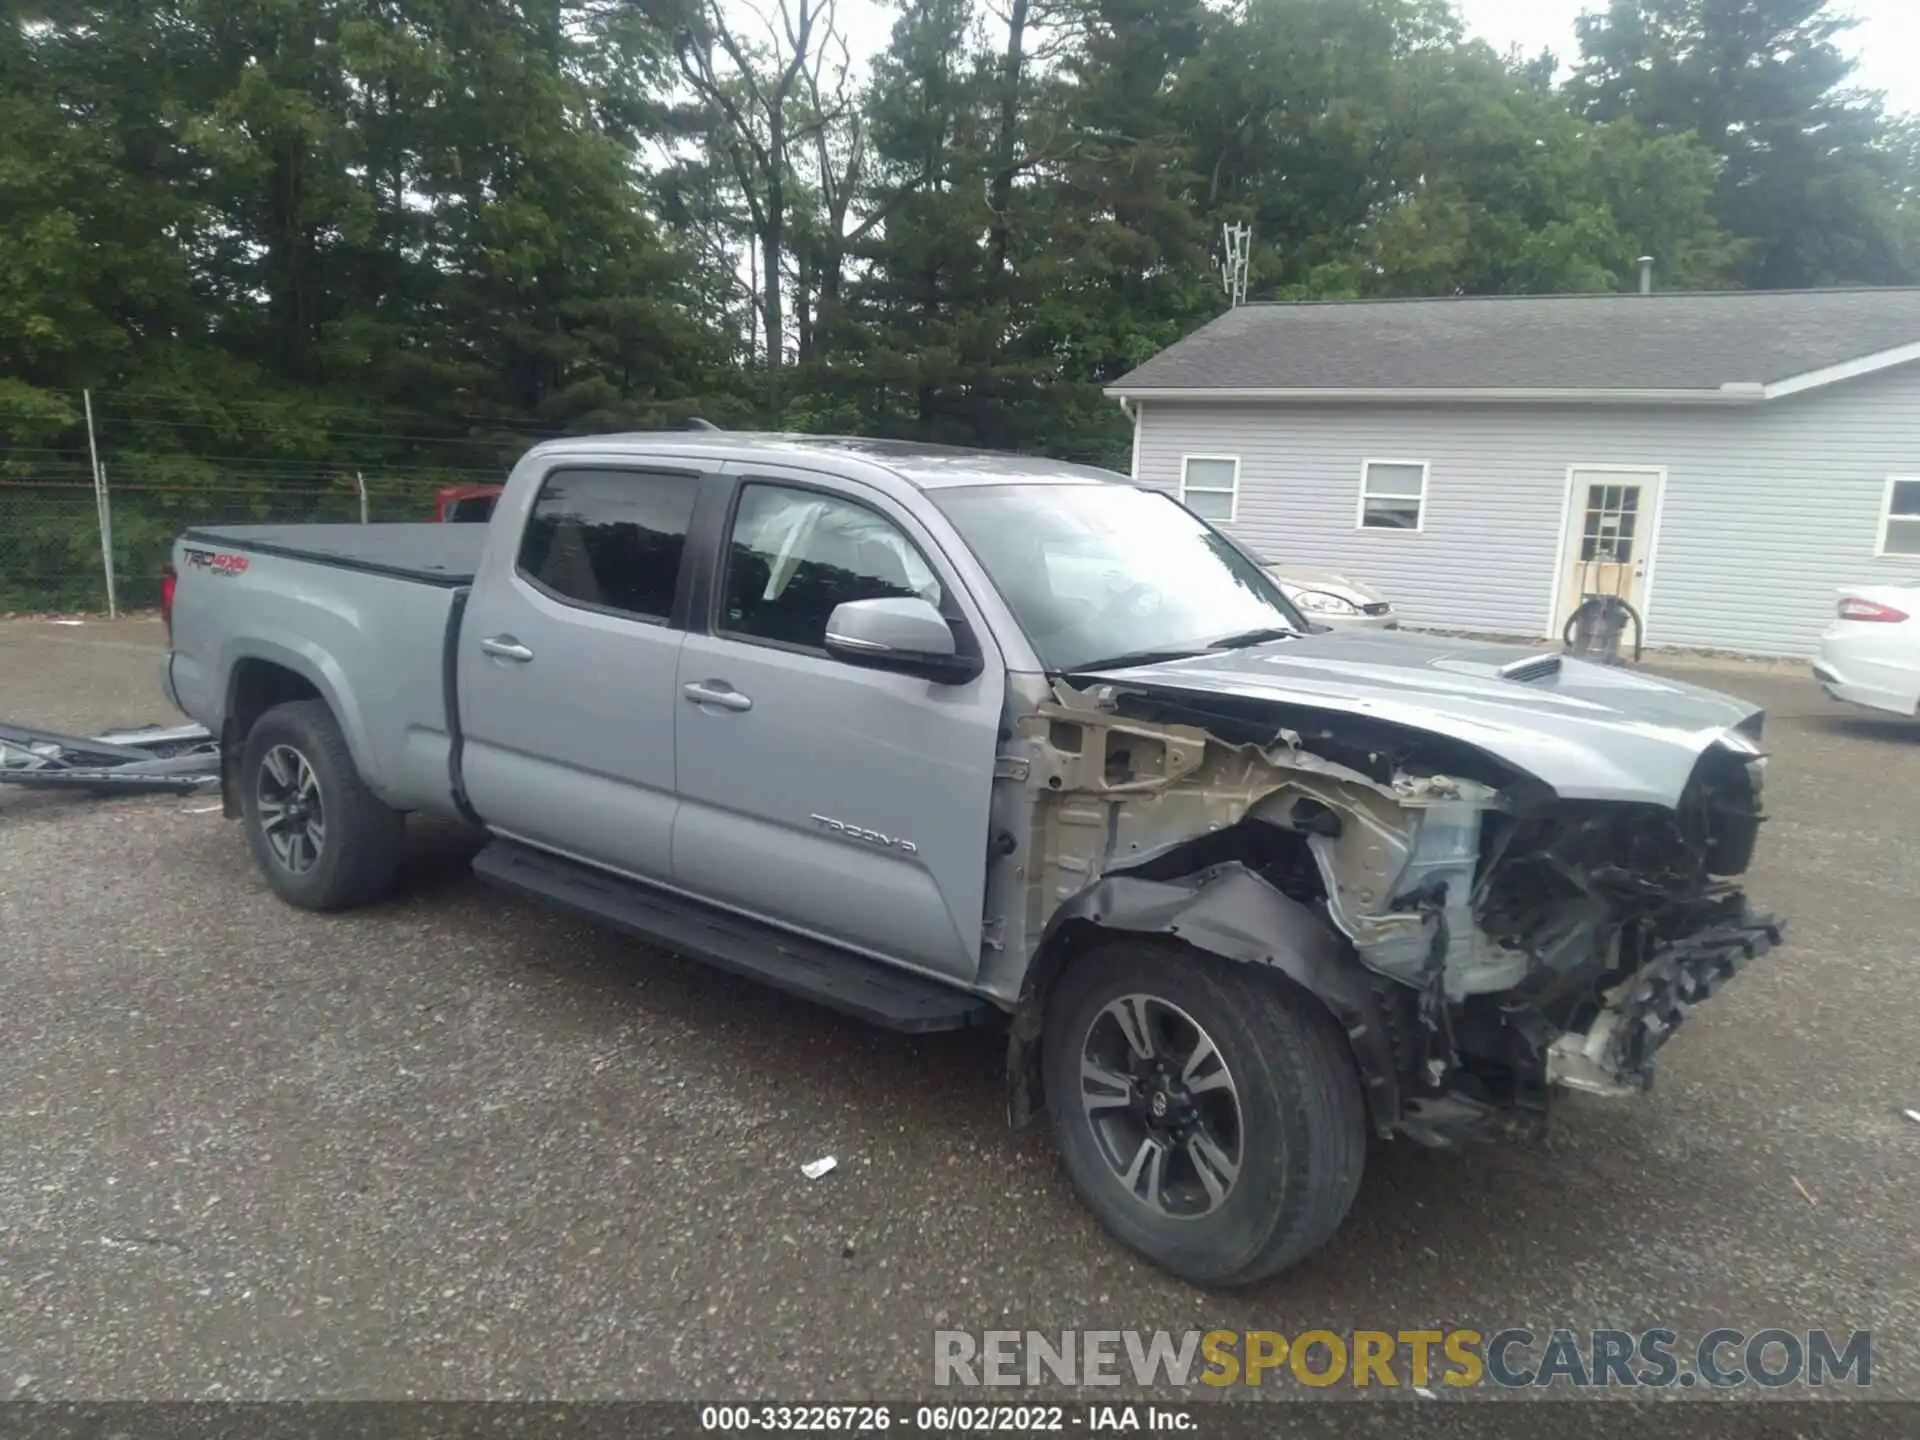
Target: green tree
1496, 188
929, 308
1804, 177
1122, 267
96, 280
1298, 111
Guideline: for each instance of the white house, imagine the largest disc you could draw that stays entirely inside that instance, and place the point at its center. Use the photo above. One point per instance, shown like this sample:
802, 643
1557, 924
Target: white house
1741, 455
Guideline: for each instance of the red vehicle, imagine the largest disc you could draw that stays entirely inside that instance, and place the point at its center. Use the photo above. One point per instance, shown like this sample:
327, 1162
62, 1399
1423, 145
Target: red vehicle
465, 502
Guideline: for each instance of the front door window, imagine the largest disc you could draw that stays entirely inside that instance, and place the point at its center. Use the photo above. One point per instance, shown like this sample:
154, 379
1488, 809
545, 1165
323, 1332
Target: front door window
795, 555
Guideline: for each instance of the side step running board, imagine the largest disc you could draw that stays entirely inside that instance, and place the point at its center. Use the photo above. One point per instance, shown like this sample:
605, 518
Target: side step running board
807, 968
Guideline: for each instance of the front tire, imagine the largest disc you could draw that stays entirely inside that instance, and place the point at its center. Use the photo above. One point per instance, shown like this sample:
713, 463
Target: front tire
323, 840
1208, 1112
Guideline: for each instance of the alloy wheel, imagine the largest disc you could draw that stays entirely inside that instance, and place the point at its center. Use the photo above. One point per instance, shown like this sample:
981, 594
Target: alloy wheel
1163, 1107
292, 816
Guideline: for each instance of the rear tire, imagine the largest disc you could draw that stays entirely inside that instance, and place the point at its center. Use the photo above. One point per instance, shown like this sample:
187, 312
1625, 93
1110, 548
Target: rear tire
1255, 1170
323, 840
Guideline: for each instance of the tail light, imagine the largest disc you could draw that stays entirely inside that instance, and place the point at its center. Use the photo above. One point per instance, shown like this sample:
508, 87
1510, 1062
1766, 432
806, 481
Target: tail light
169, 581
1854, 608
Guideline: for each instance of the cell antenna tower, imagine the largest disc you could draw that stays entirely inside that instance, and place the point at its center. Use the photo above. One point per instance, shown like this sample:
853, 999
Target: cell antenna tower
1233, 270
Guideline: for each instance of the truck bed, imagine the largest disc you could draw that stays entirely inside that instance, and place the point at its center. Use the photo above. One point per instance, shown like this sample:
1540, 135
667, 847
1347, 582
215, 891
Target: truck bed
430, 554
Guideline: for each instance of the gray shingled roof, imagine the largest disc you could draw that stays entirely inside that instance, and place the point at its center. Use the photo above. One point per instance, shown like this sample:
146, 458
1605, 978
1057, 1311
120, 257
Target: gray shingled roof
1661, 342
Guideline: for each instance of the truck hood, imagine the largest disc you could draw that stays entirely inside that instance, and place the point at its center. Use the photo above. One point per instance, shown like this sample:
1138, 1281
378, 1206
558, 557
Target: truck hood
1590, 732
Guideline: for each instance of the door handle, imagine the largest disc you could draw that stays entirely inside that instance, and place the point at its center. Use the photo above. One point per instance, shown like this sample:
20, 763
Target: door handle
505, 647
706, 694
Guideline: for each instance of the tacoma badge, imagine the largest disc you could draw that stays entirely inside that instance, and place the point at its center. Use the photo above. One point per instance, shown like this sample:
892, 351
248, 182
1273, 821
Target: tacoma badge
872, 837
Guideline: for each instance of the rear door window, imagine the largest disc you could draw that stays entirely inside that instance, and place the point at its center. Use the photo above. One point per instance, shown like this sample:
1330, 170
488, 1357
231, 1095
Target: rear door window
610, 539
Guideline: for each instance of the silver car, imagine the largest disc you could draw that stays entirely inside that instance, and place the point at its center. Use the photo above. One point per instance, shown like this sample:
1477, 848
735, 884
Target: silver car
1334, 600
1324, 597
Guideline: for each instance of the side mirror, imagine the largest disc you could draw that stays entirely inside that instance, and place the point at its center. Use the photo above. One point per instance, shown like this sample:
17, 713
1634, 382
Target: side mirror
906, 635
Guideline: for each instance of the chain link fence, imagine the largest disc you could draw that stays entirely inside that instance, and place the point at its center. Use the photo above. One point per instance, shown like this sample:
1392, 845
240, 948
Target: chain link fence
50, 530
169, 466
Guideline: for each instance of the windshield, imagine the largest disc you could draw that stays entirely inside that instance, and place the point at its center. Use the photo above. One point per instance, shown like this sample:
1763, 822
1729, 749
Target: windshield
1098, 573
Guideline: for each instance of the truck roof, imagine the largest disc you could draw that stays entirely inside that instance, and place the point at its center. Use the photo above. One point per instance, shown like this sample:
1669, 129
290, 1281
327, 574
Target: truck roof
928, 467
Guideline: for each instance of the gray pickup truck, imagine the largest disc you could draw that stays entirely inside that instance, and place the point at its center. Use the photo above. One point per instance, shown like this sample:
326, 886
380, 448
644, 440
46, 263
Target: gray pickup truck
944, 738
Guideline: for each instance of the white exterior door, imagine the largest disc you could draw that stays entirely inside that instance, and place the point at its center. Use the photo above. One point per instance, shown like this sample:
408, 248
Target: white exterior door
1609, 539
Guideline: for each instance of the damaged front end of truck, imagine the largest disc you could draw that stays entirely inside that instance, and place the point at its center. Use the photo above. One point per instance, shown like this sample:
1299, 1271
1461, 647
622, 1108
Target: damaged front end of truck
1481, 933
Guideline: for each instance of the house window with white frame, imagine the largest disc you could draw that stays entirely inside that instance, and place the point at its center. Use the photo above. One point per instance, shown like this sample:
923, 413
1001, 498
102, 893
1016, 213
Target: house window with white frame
1393, 495
1210, 486
1900, 517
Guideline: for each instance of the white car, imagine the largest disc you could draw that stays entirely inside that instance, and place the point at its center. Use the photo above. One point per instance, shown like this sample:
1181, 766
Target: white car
1334, 600
1871, 654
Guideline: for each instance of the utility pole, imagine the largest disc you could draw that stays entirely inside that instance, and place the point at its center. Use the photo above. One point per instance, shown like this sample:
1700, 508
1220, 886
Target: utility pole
103, 510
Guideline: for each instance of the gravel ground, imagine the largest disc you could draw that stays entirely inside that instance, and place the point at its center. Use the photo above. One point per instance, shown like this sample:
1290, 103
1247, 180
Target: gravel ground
456, 1147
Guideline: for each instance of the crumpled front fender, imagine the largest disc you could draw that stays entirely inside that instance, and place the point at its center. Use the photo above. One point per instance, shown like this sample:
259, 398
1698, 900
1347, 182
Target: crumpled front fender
1227, 911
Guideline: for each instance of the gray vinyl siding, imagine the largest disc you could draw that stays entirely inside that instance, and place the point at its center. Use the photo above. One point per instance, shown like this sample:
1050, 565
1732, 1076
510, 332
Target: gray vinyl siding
1766, 512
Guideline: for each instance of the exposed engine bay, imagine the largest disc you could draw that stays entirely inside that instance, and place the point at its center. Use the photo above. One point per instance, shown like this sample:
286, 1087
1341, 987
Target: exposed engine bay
1488, 939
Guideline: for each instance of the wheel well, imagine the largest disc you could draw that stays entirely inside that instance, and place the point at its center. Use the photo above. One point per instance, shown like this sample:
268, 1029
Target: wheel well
1068, 941
1073, 939
1230, 911
1279, 856
254, 688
